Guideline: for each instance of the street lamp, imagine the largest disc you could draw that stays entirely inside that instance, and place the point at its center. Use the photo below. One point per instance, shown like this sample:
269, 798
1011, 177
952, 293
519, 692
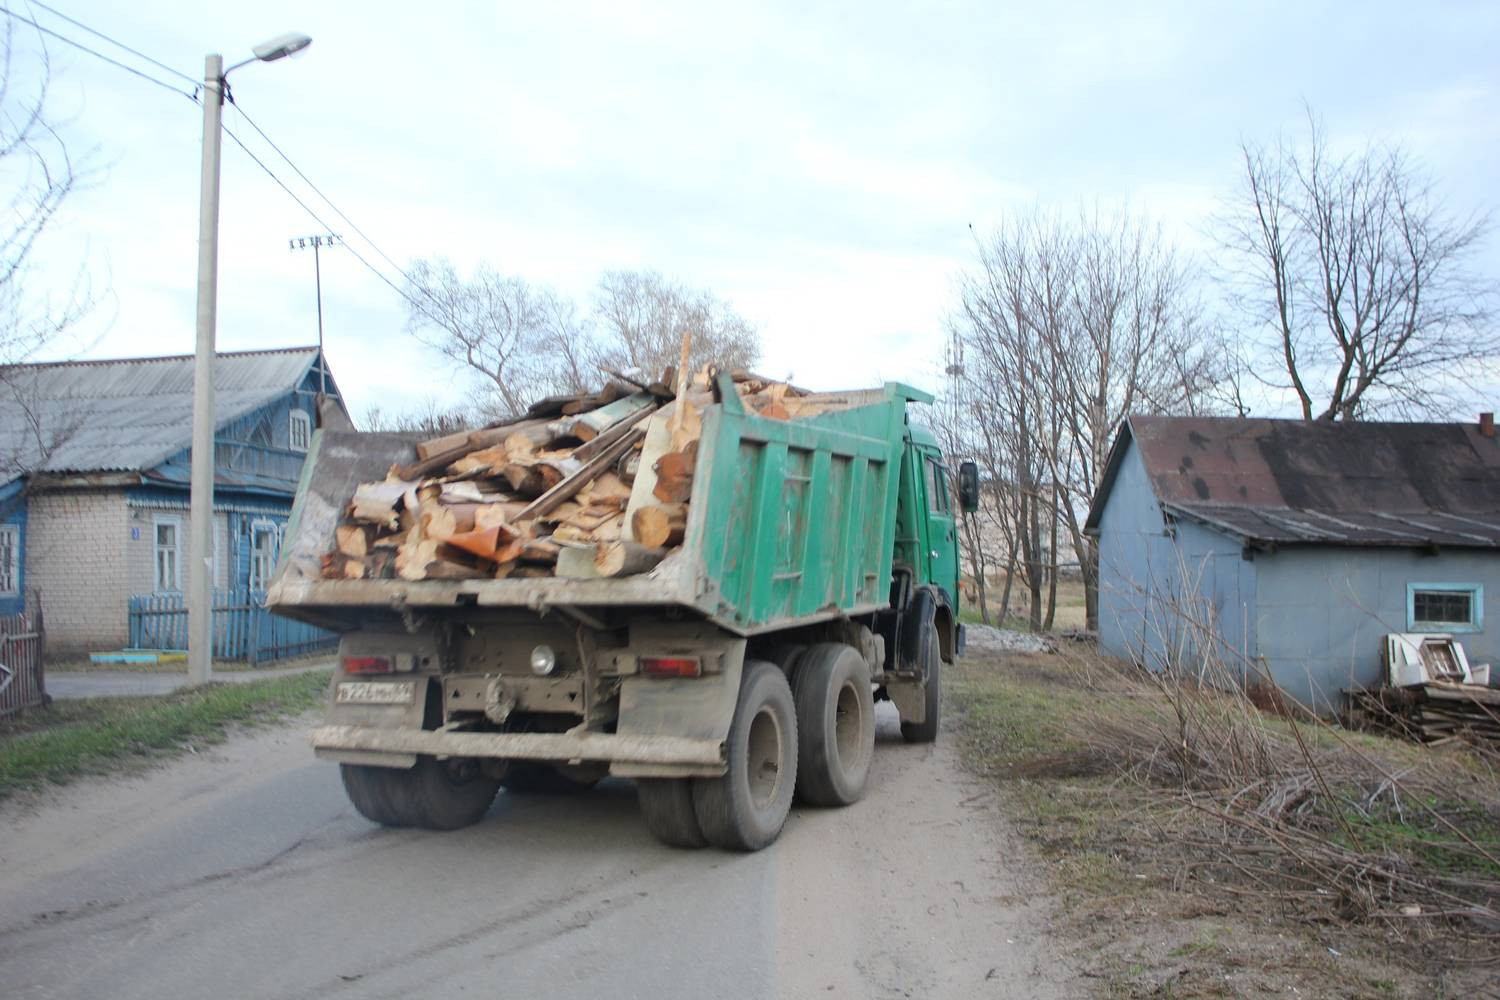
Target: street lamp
201, 489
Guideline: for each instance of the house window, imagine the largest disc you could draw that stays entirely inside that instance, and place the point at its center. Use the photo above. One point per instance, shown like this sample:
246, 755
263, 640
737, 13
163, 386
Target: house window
263, 536
1444, 607
167, 531
301, 432
10, 560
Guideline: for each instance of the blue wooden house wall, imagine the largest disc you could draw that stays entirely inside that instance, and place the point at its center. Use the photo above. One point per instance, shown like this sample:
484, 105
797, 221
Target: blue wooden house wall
256, 471
1309, 618
13, 512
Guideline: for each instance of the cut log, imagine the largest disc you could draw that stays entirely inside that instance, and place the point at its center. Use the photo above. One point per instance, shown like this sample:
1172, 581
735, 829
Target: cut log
375, 503
626, 558
539, 550
577, 562
353, 539
570, 486
659, 527
480, 543
338, 566
674, 477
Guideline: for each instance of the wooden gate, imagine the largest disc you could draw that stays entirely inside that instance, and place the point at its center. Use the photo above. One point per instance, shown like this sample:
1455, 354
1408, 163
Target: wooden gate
21, 663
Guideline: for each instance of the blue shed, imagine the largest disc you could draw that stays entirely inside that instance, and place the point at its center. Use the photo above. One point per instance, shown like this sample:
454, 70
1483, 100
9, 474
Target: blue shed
1290, 548
94, 484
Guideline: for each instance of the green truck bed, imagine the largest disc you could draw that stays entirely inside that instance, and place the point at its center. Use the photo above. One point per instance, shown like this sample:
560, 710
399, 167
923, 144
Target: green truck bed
790, 521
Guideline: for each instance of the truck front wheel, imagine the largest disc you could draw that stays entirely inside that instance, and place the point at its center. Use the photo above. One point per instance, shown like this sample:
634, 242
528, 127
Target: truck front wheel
835, 724
433, 794
745, 809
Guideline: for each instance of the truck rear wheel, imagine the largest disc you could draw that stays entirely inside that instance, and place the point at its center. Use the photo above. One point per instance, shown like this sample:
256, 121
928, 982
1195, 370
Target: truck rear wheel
932, 661
433, 794
745, 809
667, 805
835, 725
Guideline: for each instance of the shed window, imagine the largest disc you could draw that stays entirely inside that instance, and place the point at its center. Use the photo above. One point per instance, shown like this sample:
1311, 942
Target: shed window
167, 531
10, 560
1445, 607
301, 430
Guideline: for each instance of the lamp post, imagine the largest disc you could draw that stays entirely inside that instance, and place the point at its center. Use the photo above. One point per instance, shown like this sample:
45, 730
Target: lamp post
200, 574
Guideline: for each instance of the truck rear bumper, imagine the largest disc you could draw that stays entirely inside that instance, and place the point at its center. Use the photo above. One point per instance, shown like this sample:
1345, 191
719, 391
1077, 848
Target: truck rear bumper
364, 744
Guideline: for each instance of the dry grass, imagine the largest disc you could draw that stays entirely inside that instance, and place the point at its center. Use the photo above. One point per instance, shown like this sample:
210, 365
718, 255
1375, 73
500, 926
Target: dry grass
1203, 848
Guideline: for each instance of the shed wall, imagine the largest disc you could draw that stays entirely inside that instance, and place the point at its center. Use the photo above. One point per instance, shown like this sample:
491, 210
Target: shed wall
75, 563
1323, 612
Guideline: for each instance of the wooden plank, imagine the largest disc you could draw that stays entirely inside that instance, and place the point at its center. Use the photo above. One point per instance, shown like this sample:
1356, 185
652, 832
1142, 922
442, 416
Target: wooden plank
578, 480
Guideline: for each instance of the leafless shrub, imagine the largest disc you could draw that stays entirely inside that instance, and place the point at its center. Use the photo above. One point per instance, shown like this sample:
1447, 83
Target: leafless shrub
1294, 806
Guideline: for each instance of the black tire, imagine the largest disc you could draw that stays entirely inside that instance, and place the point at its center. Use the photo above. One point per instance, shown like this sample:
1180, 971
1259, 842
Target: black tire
667, 805
835, 725
433, 794
932, 661
745, 809
532, 777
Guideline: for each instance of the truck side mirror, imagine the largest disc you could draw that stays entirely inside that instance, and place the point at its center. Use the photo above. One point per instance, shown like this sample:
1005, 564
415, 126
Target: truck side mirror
968, 487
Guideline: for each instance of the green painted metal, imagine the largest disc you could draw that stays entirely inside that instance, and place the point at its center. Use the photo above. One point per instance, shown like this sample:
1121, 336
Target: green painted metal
796, 518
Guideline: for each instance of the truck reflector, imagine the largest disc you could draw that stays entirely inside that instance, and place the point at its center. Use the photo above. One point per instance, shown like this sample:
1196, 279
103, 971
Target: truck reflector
671, 666
368, 665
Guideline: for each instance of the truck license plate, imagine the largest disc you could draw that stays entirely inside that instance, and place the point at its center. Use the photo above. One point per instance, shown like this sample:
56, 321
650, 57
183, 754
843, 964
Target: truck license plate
374, 693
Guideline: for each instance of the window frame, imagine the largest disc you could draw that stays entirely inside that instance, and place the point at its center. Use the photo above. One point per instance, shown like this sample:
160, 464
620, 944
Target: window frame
13, 570
1476, 607
299, 418
936, 479
258, 528
159, 521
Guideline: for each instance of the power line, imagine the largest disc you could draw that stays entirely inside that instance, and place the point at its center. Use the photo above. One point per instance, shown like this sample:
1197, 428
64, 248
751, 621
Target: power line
314, 215
298, 170
99, 55
118, 44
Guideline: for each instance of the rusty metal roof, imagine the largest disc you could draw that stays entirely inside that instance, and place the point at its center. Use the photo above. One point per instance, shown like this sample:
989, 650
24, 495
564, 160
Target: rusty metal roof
128, 414
1315, 482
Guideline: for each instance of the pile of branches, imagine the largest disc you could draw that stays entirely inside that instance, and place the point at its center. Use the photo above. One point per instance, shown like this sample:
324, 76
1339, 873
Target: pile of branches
1292, 805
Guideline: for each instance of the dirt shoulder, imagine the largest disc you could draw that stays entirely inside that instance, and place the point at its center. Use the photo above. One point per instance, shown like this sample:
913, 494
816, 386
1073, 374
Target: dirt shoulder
1160, 894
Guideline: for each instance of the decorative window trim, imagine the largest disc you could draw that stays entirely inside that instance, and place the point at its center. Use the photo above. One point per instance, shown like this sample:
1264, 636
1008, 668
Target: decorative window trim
13, 571
299, 430
262, 526
157, 522
1476, 607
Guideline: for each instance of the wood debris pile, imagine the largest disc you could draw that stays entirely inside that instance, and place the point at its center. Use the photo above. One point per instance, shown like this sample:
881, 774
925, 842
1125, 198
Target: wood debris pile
547, 494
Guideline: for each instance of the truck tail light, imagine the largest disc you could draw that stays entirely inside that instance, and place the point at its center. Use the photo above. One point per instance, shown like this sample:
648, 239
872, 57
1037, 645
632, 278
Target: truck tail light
369, 665
671, 666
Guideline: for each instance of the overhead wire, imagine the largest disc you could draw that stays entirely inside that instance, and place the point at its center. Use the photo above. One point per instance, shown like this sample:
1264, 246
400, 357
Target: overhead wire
308, 181
193, 96
315, 217
100, 55
115, 42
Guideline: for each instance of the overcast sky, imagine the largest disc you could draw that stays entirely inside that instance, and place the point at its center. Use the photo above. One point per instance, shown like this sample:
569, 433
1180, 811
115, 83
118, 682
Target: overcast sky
817, 165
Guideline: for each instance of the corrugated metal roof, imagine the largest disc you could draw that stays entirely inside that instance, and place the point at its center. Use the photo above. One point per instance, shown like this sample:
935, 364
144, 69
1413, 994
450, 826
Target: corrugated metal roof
1315, 482
129, 414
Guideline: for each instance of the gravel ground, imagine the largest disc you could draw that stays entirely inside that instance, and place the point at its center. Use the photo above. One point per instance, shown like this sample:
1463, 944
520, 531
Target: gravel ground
988, 639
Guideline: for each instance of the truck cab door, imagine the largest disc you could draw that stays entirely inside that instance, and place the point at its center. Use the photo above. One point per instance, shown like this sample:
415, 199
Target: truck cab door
942, 533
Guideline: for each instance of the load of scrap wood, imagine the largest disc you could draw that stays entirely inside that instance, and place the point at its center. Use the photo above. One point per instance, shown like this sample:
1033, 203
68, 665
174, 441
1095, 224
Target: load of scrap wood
546, 494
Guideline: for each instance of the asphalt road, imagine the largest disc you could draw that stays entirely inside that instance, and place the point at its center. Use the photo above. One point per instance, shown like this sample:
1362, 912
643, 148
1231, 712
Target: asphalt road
243, 872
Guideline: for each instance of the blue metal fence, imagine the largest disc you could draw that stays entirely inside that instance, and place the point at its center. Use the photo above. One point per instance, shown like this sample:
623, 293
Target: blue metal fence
243, 628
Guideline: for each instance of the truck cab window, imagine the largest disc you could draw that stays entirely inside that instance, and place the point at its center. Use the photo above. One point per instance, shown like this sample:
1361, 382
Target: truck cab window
937, 487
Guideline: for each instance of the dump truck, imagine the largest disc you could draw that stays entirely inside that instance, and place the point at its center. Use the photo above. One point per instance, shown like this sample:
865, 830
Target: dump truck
817, 574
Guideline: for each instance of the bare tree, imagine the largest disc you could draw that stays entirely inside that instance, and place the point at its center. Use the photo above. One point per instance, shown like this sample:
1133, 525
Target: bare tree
521, 340
1070, 326
428, 417
1355, 283
642, 316
40, 173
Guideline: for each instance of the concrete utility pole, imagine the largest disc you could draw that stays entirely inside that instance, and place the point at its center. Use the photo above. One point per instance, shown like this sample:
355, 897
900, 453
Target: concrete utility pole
200, 575
200, 569
316, 242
